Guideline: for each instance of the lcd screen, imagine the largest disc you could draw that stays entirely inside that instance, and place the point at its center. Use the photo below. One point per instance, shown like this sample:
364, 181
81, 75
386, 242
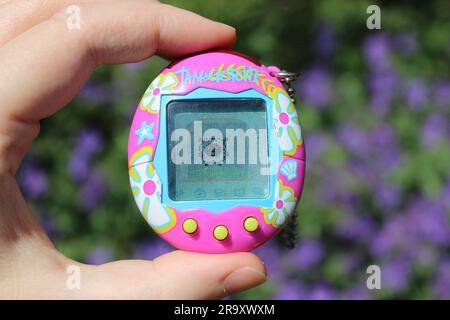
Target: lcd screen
217, 149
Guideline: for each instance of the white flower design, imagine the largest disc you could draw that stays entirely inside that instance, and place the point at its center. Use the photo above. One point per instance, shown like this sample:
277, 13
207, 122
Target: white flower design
163, 84
284, 205
286, 122
146, 188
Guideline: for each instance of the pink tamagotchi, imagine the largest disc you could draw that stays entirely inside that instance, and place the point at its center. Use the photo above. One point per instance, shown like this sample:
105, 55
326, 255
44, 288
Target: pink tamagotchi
215, 154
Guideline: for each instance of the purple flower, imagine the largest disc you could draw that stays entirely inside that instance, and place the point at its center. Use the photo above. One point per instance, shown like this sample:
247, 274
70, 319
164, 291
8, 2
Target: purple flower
50, 227
89, 142
395, 236
416, 94
406, 43
316, 88
387, 197
435, 129
307, 255
318, 142
92, 191
270, 254
325, 43
377, 51
349, 198
360, 228
423, 222
395, 275
291, 290
325, 191
382, 86
445, 196
384, 135
99, 255
364, 170
353, 138
332, 187
96, 93
356, 293
150, 250
429, 221
33, 181
386, 152
442, 280
386, 158
322, 292
79, 167
441, 93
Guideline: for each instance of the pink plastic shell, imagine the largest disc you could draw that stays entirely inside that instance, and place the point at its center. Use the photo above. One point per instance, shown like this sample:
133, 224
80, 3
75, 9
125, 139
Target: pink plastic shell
224, 71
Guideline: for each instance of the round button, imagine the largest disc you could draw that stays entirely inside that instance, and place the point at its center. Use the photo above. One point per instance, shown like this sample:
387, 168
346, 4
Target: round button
220, 233
251, 224
190, 226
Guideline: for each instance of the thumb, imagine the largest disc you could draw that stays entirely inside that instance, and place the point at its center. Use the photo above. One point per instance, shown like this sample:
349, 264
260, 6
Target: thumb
176, 275
208, 276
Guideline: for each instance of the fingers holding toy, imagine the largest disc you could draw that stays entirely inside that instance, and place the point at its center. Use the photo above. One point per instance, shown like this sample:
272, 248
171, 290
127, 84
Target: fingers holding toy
65, 57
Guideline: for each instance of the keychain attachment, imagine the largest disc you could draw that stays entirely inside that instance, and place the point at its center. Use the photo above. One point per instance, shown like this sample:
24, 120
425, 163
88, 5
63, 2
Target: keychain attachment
287, 78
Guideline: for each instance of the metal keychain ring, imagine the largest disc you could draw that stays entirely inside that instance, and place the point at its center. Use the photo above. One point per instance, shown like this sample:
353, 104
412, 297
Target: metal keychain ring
285, 75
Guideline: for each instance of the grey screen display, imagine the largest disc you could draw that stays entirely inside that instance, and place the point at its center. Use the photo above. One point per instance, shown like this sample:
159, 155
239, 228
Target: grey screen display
212, 147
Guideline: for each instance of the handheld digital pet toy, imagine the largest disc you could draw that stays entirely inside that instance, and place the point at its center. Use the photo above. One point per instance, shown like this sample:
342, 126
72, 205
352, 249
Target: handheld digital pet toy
215, 154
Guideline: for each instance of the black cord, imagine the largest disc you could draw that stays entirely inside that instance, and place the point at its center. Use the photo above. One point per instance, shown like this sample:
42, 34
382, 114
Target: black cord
289, 235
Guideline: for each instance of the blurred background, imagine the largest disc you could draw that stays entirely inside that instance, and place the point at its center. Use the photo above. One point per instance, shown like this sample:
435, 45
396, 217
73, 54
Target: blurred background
375, 111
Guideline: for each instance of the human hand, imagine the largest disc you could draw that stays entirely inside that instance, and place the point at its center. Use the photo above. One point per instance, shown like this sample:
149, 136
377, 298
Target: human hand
43, 64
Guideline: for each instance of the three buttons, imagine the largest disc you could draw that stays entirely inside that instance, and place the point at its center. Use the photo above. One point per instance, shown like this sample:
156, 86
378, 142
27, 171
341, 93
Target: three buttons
220, 232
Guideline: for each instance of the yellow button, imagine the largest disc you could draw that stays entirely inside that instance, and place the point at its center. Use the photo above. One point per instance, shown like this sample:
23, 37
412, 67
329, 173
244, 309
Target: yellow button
251, 224
220, 233
190, 226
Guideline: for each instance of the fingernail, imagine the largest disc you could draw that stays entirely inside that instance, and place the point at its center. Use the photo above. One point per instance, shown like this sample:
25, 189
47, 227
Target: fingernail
265, 268
243, 279
228, 26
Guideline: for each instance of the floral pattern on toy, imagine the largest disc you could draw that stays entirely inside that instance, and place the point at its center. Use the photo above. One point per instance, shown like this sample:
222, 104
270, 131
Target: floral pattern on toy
163, 84
284, 205
146, 189
286, 122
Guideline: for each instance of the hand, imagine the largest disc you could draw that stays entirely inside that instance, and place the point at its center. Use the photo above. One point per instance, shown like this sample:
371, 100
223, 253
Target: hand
43, 64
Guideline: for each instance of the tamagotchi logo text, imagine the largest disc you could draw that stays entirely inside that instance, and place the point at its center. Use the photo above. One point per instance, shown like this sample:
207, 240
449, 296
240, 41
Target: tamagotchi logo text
242, 73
